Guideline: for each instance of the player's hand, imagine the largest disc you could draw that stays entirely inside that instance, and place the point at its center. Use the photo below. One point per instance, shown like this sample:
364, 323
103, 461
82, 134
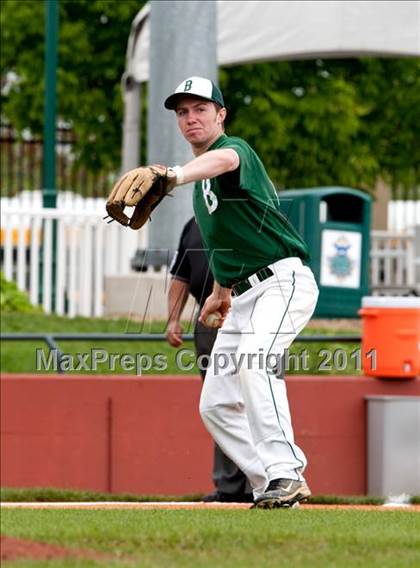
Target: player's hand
216, 303
174, 334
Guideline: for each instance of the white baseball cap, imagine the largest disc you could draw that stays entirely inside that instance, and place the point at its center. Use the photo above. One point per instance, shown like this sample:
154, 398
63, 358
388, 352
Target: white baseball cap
199, 87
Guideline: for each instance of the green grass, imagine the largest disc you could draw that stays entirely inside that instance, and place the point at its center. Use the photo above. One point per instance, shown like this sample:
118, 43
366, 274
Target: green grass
292, 538
19, 356
48, 494
51, 495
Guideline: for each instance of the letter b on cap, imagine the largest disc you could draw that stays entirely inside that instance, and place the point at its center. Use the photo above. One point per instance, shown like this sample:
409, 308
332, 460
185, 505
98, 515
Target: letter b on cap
188, 85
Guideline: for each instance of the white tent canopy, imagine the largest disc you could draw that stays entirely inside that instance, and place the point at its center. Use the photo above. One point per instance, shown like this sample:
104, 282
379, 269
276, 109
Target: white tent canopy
260, 30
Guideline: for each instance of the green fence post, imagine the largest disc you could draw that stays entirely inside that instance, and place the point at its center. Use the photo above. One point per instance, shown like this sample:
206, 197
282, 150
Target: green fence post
49, 192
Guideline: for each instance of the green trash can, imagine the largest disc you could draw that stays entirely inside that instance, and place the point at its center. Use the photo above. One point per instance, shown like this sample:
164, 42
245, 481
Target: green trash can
335, 224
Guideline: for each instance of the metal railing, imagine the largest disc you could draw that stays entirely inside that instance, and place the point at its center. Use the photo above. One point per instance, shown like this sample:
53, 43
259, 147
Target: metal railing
51, 339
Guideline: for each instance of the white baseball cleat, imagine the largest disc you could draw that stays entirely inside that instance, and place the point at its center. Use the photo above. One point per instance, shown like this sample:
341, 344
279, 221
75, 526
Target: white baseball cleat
283, 493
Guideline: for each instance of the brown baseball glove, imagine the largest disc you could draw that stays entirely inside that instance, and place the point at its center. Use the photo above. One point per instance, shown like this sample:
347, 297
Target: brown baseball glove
144, 188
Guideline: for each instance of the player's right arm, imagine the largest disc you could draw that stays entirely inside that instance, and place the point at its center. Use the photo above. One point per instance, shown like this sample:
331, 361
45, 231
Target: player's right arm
218, 301
209, 165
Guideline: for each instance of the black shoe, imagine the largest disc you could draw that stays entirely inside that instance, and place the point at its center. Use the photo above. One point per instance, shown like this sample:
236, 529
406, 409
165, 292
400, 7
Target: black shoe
283, 493
221, 497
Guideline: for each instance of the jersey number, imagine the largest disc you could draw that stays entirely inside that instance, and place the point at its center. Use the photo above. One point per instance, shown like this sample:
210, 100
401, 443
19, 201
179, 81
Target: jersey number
210, 198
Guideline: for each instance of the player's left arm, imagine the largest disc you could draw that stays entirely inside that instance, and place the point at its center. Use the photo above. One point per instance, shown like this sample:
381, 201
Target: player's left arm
209, 165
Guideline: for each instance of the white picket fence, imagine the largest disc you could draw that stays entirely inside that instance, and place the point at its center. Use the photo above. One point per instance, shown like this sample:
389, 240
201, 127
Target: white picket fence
403, 215
88, 250
83, 246
66, 201
394, 261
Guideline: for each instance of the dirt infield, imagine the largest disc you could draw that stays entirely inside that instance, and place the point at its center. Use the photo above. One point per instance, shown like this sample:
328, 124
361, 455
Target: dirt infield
98, 505
19, 549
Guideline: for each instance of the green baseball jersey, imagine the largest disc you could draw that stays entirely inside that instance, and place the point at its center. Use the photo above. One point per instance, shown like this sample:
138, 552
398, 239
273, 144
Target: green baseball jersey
240, 220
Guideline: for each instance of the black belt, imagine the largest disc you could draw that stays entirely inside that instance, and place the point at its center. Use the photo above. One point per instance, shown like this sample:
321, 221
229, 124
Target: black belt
244, 285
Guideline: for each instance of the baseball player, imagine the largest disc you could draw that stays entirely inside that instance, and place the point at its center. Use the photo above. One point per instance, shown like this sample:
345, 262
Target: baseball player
191, 275
263, 294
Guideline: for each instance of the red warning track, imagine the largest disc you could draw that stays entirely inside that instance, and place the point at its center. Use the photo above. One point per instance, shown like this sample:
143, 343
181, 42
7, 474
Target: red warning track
195, 505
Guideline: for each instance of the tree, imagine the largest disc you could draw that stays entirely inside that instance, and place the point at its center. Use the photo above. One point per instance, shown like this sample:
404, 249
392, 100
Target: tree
315, 122
330, 122
91, 59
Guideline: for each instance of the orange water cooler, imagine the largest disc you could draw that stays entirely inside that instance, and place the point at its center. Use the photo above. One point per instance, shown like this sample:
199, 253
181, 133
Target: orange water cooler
391, 336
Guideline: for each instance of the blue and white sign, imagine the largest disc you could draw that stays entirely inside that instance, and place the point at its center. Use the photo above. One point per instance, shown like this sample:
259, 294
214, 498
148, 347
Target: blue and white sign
341, 253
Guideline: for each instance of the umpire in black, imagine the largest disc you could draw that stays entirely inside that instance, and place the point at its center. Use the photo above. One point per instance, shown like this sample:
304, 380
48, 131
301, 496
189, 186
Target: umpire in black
191, 275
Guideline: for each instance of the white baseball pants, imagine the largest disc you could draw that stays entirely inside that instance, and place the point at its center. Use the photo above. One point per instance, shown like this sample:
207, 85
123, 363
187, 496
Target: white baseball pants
243, 402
